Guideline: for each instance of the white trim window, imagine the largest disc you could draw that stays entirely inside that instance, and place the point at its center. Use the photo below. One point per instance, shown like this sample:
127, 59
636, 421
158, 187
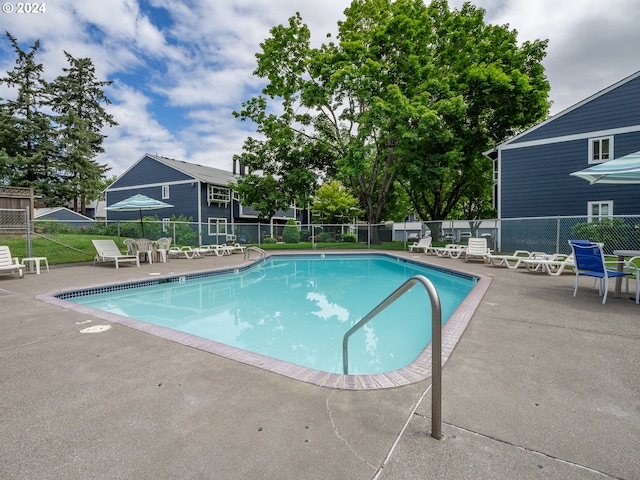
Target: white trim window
165, 192
218, 194
599, 210
217, 226
166, 222
600, 149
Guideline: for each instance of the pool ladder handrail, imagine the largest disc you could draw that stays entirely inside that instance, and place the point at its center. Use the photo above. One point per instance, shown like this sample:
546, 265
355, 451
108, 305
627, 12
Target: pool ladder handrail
436, 343
248, 250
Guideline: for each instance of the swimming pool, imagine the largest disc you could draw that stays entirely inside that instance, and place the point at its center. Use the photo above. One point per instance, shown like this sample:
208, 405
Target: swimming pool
294, 309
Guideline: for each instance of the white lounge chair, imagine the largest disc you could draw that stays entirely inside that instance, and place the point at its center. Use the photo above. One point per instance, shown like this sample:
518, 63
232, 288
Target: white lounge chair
236, 248
108, 251
477, 249
451, 250
221, 250
553, 264
184, 252
423, 244
8, 263
514, 260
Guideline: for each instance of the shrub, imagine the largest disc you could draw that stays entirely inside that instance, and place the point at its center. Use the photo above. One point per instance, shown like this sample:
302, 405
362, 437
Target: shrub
269, 240
305, 235
611, 232
327, 237
349, 237
290, 233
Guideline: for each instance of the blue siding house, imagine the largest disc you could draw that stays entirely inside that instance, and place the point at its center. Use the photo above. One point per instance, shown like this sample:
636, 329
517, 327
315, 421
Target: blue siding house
195, 191
532, 169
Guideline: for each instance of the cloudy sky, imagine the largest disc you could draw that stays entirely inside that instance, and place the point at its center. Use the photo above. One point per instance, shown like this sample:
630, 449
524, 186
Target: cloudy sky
179, 68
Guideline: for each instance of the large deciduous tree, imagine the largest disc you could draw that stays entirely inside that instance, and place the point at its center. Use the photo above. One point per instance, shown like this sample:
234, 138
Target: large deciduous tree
409, 94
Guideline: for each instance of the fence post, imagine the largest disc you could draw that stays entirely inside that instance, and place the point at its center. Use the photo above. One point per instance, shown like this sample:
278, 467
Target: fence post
558, 235
28, 226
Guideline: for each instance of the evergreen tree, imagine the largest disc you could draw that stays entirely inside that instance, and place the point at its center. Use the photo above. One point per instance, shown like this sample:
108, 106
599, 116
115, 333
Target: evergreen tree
27, 131
77, 97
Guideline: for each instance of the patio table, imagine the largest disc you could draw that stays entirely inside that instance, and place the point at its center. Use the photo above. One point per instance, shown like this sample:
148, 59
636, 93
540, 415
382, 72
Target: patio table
622, 254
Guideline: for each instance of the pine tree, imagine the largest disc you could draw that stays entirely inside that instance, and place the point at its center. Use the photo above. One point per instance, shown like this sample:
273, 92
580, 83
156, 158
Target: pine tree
77, 97
31, 157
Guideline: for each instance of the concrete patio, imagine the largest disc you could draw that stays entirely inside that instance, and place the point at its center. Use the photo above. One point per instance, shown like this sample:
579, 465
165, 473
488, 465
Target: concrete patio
541, 385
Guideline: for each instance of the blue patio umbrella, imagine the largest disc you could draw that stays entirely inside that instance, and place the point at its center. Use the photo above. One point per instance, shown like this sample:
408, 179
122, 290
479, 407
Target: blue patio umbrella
620, 170
138, 202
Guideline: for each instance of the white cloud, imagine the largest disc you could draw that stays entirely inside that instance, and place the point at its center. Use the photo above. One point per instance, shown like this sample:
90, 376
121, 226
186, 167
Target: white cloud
179, 77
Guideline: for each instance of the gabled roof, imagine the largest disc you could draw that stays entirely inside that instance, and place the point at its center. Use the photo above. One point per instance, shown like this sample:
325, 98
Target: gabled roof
43, 212
491, 152
205, 174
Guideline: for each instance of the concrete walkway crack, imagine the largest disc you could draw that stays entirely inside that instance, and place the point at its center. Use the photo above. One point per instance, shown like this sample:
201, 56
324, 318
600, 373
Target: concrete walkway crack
527, 449
344, 440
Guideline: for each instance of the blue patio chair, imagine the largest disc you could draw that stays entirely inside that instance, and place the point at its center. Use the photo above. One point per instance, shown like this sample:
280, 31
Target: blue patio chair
590, 262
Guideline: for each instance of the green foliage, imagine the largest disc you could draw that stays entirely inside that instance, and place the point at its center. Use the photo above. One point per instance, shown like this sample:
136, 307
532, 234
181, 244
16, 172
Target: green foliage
290, 232
409, 94
185, 233
51, 132
349, 237
77, 98
611, 232
305, 235
327, 237
334, 204
269, 240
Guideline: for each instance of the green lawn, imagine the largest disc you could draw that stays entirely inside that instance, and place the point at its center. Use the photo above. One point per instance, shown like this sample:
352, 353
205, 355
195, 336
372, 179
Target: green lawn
73, 248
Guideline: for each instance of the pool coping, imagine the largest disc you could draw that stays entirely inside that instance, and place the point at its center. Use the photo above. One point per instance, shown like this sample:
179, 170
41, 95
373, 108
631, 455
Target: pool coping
418, 370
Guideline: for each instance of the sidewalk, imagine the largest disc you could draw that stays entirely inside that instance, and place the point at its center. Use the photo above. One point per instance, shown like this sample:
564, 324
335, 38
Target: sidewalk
541, 385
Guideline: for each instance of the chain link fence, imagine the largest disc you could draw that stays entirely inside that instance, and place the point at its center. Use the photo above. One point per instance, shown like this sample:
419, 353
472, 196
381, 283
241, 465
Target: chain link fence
69, 241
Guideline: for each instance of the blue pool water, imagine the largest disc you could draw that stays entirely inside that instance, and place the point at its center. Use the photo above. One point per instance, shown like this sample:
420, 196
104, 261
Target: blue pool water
298, 308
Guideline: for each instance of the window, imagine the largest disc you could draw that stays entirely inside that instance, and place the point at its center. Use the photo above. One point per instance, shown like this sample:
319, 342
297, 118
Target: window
598, 210
218, 194
165, 224
165, 192
217, 226
600, 149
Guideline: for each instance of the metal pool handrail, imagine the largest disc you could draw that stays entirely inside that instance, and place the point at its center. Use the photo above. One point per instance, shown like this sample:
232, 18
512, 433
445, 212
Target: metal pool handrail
436, 343
247, 252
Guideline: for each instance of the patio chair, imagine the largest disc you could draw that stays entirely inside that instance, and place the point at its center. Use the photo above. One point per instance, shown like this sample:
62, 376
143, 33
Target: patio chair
423, 244
130, 243
162, 247
590, 262
107, 250
476, 249
145, 248
8, 263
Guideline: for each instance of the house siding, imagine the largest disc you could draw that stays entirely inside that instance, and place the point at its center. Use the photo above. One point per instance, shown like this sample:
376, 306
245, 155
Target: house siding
182, 197
536, 182
148, 171
617, 108
534, 168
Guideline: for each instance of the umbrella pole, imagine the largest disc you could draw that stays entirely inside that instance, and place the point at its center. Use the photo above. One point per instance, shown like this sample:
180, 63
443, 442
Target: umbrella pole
141, 222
